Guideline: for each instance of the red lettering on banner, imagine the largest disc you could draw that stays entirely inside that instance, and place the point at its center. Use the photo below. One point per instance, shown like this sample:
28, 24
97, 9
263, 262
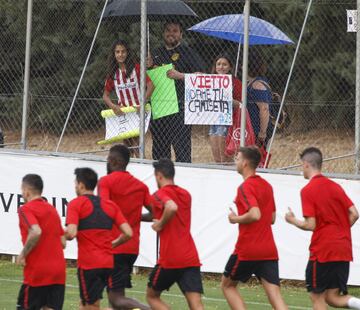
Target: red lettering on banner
210, 81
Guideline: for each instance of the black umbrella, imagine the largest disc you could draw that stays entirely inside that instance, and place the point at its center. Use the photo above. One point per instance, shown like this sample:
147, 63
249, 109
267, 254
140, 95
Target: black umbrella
155, 8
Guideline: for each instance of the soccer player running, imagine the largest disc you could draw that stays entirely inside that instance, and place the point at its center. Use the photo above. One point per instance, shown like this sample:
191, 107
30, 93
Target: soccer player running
255, 251
178, 261
130, 195
329, 214
91, 219
42, 256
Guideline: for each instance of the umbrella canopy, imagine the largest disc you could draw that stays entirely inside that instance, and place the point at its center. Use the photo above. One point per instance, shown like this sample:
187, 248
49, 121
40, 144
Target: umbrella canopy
231, 28
154, 8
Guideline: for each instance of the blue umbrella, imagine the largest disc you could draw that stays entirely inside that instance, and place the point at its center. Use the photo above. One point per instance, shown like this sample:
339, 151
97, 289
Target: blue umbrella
231, 27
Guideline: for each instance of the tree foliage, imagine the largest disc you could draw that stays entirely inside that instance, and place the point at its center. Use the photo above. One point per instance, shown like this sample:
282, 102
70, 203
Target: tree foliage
323, 80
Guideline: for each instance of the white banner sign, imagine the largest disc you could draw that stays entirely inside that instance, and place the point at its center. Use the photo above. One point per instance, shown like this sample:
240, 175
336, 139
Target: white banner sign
124, 126
351, 20
212, 190
208, 99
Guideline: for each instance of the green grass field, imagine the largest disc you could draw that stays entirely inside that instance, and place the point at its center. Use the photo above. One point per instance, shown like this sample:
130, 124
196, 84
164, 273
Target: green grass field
296, 297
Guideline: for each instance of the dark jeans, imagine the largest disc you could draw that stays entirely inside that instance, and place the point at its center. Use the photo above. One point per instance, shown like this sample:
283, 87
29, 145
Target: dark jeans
170, 131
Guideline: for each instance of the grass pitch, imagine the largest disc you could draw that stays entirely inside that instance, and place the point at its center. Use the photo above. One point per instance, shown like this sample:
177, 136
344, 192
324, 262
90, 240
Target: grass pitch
296, 297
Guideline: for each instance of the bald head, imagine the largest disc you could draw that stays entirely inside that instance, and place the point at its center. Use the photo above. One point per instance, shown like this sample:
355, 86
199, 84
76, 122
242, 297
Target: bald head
313, 157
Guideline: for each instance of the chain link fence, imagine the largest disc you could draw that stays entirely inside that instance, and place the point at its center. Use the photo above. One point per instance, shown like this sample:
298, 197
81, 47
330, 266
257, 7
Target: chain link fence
320, 103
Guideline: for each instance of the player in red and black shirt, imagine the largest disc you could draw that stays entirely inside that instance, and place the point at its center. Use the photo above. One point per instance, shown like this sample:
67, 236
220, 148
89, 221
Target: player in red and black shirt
178, 261
130, 195
42, 255
329, 214
255, 251
91, 219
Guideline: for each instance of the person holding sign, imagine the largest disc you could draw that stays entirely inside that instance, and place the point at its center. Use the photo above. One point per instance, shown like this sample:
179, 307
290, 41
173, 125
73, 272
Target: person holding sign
171, 130
223, 65
123, 76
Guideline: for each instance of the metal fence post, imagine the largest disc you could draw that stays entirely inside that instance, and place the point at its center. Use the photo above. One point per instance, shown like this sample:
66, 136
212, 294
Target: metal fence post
143, 42
357, 90
26, 74
245, 71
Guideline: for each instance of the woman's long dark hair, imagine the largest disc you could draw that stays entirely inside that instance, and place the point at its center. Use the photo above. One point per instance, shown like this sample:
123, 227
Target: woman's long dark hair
228, 58
112, 63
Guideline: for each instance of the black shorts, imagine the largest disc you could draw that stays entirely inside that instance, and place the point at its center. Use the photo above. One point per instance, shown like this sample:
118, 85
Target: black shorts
120, 277
242, 271
92, 283
36, 297
323, 276
188, 279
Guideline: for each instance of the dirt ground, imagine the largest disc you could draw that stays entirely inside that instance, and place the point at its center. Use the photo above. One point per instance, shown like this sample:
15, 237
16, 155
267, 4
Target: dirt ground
285, 150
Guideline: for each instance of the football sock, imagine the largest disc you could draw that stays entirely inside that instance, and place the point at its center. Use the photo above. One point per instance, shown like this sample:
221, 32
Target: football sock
354, 303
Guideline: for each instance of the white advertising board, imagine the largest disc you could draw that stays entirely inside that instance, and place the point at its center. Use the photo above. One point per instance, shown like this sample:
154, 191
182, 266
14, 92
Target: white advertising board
212, 191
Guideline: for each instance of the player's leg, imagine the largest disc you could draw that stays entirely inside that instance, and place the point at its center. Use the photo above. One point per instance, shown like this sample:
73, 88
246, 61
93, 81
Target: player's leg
154, 300
55, 295
194, 300
190, 283
92, 283
316, 283
318, 301
235, 271
160, 279
336, 293
119, 280
231, 294
29, 298
268, 272
274, 295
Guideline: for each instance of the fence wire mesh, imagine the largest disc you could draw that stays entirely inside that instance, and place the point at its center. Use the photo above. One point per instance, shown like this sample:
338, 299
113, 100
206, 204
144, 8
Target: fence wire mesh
320, 102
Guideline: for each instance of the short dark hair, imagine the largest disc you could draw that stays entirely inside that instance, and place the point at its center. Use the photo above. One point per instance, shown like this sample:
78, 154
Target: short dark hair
86, 176
252, 154
256, 64
173, 22
166, 167
34, 181
313, 156
121, 154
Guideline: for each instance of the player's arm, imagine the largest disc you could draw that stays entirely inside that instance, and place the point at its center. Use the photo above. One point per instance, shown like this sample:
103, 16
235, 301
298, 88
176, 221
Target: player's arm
147, 217
309, 223
63, 241
253, 215
34, 234
273, 218
353, 215
71, 231
126, 235
170, 209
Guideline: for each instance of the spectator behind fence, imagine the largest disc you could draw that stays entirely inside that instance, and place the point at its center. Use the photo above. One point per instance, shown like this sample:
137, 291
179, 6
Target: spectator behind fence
171, 130
223, 65
259, 98
123, 76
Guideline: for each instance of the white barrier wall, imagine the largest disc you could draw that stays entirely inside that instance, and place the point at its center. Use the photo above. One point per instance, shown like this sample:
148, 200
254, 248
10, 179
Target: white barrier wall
212, 190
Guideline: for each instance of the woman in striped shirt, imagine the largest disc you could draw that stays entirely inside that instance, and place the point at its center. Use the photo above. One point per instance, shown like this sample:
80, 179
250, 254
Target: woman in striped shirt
123, 76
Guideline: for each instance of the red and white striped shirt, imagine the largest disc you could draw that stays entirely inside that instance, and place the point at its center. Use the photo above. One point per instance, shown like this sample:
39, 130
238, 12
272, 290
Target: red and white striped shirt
127, 89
